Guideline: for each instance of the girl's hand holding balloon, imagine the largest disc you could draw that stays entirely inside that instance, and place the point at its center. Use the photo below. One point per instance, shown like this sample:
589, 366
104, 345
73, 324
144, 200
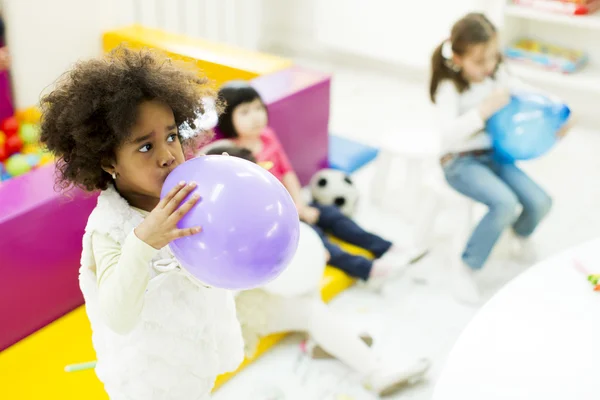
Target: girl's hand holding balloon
566, 127
494, 103
159, 228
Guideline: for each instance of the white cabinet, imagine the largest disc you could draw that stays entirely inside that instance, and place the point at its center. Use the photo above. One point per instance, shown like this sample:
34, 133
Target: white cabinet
577, 32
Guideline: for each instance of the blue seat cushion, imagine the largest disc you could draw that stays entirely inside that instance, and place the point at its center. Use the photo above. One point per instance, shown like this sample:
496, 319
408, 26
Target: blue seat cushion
348, 155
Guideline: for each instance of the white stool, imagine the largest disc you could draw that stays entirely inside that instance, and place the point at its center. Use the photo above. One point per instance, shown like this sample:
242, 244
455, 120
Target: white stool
438, 195
418, 149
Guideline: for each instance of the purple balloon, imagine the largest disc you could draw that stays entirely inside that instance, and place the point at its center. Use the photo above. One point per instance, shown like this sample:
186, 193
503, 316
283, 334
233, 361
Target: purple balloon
250, 225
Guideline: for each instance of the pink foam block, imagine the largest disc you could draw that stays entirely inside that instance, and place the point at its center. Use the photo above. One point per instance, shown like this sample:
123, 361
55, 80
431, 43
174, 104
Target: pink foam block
40, 248
298, 103
6, 103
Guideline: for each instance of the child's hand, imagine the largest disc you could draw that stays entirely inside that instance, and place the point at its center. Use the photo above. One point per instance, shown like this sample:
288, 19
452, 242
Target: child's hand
327, 256
494, 103
310, 215
566, 128
159, 228
4, 59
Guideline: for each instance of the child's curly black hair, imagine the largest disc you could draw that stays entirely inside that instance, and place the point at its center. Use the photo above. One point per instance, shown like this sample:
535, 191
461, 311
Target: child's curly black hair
93, 107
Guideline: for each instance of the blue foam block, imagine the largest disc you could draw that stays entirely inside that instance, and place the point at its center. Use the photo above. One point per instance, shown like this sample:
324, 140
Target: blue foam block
349, 156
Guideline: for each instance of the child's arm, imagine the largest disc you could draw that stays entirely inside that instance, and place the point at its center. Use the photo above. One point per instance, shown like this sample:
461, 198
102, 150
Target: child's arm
292, 184
308, 214
516, 84
455, 127
123, 276
290, 180
458, 127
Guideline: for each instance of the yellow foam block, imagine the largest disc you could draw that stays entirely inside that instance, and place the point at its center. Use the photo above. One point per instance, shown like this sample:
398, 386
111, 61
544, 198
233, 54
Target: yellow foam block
34, 367
220, 62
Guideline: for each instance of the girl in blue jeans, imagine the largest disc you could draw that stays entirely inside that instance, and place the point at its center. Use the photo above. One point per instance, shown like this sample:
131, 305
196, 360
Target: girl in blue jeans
468, 85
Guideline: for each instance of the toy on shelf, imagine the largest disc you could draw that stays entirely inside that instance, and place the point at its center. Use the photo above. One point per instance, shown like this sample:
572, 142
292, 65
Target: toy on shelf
570, 7
547, 55
20, 151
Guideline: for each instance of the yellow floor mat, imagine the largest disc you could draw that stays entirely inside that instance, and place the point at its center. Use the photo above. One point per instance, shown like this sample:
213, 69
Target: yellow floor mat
33, 369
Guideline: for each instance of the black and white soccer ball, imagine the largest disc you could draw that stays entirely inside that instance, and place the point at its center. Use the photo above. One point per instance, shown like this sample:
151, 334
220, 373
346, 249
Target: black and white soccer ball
333, 187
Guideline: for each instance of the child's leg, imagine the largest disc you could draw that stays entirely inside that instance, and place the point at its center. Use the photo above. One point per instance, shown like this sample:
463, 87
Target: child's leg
331, 219
536, 203
355, 266
473, 177
311, 315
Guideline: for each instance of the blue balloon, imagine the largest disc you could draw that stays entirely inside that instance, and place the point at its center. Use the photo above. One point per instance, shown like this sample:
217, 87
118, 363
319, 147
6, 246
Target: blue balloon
526, 128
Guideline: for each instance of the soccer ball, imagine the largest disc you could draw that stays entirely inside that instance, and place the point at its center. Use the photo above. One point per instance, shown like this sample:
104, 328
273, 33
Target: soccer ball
333, 187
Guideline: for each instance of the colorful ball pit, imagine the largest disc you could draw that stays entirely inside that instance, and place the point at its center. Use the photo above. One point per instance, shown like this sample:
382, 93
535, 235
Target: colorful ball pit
20, 151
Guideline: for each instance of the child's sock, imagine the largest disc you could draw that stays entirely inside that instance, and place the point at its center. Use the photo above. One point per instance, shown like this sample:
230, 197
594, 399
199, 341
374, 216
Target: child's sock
407, 255
394, 262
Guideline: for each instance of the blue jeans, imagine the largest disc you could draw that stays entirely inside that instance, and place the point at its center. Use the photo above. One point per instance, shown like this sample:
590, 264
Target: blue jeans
502, 187
331, 220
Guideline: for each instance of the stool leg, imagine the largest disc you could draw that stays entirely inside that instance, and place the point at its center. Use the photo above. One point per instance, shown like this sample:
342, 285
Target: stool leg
429, 209
383, 165
414, 186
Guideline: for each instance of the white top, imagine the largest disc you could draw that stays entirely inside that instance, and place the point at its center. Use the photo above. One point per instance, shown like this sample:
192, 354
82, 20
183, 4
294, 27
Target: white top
538, 338
158, 334
462, 128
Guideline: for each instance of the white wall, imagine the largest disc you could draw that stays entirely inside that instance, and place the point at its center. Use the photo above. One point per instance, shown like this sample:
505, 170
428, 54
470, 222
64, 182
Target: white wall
47, 36
401, 32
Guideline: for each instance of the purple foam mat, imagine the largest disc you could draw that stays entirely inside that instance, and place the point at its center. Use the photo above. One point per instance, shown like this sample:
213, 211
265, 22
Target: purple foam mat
40, 249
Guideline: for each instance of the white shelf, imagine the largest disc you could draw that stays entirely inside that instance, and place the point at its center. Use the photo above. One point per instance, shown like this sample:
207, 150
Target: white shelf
588, 79
591, 21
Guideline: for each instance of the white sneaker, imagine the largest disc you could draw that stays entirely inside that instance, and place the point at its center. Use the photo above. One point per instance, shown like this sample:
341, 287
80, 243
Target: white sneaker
387, 381
524, 250
464, 286
393, 263
407, 256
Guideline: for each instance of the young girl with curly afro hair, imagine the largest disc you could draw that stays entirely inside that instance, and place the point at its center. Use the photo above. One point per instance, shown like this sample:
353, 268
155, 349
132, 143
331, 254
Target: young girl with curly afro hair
119, 125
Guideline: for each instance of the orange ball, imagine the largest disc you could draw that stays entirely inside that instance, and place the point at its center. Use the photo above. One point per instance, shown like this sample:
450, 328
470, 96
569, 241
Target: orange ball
31, 115
30, 149
46, 158
2, 138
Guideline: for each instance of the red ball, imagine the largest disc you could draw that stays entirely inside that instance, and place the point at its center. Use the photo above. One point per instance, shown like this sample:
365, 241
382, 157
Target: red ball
14, 144
3, 153
10, 126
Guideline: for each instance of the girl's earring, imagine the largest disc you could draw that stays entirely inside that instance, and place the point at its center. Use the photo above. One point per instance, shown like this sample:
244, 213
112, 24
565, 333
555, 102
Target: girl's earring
114, 176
